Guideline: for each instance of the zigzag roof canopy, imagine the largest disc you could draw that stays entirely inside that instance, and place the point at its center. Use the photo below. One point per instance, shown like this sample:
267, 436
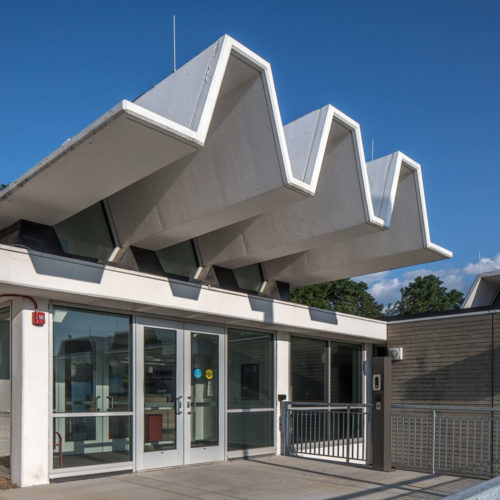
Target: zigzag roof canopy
204, 154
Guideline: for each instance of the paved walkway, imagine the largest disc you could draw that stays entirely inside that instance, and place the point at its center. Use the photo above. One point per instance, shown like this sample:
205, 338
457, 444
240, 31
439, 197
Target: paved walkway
260, 477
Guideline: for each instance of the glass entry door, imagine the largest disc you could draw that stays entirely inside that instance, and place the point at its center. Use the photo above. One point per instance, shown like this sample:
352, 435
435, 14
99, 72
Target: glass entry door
204, 388
179, 394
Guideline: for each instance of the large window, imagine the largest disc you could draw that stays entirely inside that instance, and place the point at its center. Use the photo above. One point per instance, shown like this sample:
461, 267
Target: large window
92, 376
250, 390
309, 359
323, 371
86, 234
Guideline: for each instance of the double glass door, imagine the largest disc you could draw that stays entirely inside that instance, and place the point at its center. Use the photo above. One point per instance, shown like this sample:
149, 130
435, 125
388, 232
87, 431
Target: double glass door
180, 393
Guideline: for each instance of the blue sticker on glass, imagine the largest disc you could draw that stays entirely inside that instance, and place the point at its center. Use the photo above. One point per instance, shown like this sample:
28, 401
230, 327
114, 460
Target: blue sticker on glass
197, 373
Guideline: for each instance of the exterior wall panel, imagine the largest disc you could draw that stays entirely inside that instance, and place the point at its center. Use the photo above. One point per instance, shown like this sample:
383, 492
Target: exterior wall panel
446, 360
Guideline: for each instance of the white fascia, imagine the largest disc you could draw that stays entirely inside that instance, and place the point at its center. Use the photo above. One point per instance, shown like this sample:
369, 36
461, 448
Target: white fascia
194, 135
424, 221
75, 281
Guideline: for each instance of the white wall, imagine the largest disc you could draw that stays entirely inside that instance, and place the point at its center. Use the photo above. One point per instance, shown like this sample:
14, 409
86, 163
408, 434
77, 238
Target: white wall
30, 395
282, 377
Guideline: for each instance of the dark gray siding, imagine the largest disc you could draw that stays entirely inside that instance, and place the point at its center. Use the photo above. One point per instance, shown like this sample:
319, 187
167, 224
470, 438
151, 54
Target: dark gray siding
451, 360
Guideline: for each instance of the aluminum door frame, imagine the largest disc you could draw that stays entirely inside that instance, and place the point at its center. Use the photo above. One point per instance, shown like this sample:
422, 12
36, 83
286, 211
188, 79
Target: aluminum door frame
163, 458
209, 453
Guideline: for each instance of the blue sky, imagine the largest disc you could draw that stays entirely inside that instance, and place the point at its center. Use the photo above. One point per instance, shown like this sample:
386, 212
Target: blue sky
419, 76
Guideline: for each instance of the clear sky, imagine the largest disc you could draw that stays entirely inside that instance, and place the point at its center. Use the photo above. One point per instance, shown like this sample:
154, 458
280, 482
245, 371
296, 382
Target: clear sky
420, 76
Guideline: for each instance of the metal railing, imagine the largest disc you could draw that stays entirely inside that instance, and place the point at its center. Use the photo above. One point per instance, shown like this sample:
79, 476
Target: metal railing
330, 431
447, 439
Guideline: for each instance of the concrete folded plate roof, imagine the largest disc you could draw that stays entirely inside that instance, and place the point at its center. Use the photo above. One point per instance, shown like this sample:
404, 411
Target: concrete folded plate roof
399, 197
204, 154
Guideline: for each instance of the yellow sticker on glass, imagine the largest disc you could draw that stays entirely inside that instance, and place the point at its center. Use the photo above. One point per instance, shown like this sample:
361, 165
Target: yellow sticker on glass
209, 374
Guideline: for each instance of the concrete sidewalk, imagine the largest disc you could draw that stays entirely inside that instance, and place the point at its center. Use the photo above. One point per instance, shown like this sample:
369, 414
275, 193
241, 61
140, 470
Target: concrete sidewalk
261, 477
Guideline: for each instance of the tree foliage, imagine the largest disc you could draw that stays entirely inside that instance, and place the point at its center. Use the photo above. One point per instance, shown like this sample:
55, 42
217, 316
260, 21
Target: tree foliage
3, 186
345, 296
425, 294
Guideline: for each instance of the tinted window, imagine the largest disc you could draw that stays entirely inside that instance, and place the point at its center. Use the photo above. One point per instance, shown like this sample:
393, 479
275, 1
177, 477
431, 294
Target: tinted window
179, 259
249, 277
86, 234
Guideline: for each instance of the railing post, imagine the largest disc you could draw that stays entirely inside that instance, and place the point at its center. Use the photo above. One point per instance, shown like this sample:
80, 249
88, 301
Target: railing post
284, 427
348, 433
433, 441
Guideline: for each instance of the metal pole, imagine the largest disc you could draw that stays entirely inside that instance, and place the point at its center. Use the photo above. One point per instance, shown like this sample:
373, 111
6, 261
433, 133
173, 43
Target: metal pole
433, 441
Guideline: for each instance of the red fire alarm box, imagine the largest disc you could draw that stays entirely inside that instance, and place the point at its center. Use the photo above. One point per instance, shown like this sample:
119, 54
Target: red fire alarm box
38, 318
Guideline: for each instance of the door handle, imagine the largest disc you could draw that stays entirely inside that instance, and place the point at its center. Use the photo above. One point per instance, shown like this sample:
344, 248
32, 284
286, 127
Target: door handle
178, 405
191, 403
95, 403
111, 402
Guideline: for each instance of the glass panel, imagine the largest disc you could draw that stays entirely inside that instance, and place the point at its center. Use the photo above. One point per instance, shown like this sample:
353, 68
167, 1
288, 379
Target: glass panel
249, 277
179, 259
5, 344
86, 233
308, 367
346, 373
160, 389
250, 370
92, 368
5, 391
91, 441
250, 430
204, 390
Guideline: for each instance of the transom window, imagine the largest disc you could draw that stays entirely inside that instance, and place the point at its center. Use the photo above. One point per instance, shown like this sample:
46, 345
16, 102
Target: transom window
249, 277
179, 260
86, 234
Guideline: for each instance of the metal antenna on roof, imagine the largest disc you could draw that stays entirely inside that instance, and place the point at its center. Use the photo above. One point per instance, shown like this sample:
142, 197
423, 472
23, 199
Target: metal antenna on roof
373, 147
175, 58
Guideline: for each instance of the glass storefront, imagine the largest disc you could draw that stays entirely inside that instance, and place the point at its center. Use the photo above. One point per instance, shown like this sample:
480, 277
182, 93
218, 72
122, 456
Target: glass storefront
92, 372
93, 412
250, 390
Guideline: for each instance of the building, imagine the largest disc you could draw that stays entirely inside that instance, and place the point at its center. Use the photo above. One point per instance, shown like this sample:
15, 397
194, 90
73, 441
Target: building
147, 263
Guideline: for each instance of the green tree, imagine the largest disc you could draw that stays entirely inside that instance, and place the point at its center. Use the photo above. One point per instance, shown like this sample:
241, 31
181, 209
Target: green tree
345, 296
3, 186
425, 294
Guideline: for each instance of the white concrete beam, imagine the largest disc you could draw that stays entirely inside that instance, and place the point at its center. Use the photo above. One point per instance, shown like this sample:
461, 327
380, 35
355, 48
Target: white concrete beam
61, 278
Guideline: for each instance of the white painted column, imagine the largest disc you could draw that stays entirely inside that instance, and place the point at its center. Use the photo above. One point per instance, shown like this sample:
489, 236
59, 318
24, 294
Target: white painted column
30, 395
282, 377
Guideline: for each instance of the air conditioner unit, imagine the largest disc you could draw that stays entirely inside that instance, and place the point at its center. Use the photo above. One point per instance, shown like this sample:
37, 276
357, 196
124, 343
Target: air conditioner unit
396, 353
